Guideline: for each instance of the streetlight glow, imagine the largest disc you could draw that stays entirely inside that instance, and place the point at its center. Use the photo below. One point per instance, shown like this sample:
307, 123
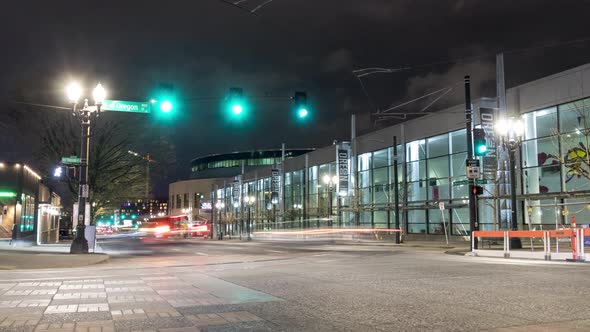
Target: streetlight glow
99, 94
502, 127
326, 179
518, 127
73, 91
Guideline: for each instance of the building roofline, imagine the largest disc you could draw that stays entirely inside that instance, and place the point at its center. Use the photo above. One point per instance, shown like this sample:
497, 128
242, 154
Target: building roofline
249, 151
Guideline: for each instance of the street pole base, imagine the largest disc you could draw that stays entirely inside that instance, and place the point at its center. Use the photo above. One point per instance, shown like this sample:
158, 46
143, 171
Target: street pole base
515, 243
79, 246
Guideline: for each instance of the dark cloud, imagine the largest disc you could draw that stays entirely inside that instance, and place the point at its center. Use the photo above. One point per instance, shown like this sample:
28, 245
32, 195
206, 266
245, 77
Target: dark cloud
204, 47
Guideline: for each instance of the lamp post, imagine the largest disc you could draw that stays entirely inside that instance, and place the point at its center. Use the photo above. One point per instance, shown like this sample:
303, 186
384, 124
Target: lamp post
74, 92
249, 200
219, 206
331, 182
511, 131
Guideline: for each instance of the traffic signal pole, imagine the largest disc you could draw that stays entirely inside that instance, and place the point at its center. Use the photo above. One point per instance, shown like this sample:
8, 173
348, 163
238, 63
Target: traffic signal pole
473, 224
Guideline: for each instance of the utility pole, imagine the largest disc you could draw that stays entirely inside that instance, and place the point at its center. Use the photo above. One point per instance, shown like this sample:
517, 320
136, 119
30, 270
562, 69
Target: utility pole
396, 190
473, 224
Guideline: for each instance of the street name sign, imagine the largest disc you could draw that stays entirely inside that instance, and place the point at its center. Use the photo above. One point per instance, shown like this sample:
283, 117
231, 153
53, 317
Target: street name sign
71, 160
126, 106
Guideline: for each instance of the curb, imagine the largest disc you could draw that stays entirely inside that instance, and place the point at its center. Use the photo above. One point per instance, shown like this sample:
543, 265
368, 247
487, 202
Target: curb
62, 261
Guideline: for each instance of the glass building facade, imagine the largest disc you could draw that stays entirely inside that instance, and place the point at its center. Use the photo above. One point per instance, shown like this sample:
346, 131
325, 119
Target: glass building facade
430, 170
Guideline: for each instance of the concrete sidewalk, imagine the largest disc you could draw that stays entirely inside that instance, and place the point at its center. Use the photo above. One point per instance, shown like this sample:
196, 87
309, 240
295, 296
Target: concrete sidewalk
44, 257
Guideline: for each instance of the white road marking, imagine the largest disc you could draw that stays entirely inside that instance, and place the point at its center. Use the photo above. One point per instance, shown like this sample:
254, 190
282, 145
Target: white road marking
276, 251
320, 255
202, 254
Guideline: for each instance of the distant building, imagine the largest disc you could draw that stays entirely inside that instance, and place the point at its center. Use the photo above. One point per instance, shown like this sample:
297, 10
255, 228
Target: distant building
192, 197
143, 209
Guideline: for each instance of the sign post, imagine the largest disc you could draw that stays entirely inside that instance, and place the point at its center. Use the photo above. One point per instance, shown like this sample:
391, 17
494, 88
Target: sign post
441, 207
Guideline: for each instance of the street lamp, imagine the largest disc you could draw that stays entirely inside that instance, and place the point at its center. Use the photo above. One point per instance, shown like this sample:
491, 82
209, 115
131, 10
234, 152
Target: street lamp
249, 200
331, 182
219, 206
511, 132
74, 92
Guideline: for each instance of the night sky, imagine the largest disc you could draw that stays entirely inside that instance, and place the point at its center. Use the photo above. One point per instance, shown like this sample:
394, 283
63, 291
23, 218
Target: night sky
204, 47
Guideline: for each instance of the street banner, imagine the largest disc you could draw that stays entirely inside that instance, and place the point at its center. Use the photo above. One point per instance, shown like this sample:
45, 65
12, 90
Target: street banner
236, 192
490, 163
342, 156
275, 185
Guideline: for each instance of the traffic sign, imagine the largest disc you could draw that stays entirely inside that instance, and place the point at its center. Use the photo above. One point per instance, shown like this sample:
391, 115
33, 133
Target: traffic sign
125, 106
71, 160
441, 205
85, 190
473, 171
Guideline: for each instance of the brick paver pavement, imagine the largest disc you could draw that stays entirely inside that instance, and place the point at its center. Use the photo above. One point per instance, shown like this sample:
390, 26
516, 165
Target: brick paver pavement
108, 305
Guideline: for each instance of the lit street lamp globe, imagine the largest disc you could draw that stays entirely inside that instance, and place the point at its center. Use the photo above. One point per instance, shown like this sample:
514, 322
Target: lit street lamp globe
99, 94
73, 91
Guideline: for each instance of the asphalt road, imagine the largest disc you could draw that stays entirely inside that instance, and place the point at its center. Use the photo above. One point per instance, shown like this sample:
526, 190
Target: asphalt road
196, 285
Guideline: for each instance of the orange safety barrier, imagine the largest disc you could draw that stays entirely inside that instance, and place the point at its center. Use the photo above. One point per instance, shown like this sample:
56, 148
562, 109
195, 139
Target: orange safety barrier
488, 233
532, 234
560, 233
576, 235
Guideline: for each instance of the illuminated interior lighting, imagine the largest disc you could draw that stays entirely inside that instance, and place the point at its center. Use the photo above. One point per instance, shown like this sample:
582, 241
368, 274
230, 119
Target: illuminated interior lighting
7, 194
32, 172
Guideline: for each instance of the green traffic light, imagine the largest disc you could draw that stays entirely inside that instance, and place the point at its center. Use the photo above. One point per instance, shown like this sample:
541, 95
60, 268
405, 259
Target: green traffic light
303, 113
133, 216
166, 106
237, 109
482, 149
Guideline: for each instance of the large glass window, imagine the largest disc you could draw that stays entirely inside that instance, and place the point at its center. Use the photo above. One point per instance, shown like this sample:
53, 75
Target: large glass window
415, 150
438, 146
438, 168
364, 161
417, 221
573, 117
459, 141
381, 158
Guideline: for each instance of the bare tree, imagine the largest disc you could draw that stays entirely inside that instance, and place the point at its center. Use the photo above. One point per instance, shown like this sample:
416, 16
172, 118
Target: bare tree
114, 174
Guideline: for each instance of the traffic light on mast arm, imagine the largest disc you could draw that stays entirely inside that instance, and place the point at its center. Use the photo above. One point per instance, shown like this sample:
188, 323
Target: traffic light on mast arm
300, 101
164, 102
479, 142
235, 101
